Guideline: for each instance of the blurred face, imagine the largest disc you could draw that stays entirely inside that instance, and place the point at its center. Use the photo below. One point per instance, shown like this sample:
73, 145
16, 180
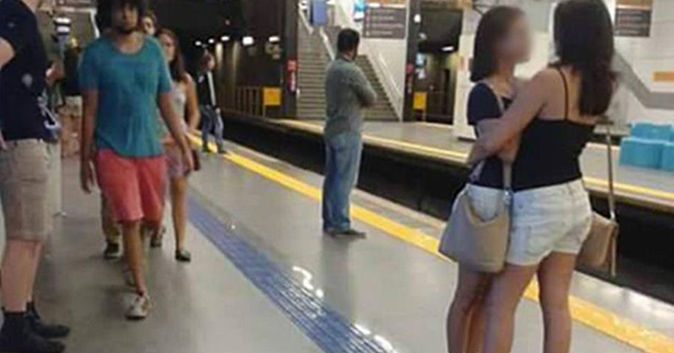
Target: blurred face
169, 47
125, 19
515, 47
211, 64
148, 26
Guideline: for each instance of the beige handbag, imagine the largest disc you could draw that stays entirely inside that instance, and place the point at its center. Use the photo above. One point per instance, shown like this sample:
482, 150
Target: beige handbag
476, 244
600, 249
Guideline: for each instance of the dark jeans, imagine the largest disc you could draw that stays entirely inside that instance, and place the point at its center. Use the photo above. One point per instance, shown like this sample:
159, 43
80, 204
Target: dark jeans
211, 121
342, 163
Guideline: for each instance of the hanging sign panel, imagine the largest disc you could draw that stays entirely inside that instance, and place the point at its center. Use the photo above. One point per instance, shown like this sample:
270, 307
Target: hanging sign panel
633, 18
385, 22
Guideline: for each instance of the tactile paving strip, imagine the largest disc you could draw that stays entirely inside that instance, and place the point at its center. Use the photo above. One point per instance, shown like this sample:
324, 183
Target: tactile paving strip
328, 329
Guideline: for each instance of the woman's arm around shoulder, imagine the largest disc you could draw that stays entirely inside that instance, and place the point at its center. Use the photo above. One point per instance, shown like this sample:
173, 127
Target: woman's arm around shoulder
533, 96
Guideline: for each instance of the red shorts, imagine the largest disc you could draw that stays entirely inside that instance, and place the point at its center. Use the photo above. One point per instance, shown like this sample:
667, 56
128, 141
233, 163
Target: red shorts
134, 187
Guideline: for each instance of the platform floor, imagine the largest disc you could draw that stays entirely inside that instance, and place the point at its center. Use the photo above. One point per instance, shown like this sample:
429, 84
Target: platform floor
263, 278
641, 187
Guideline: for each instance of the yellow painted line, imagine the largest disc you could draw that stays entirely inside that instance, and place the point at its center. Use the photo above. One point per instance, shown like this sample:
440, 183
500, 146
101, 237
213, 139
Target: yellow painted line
600, 319
461, 157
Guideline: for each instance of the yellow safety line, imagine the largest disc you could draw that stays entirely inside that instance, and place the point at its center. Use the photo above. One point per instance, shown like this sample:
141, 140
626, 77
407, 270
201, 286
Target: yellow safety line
582, 311
461, 157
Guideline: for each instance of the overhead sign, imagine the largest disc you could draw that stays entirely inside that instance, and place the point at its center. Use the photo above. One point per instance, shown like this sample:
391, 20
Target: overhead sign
633, 18
385, 21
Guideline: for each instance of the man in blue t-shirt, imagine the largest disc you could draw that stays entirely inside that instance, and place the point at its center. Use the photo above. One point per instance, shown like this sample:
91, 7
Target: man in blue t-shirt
124, 77
24, 177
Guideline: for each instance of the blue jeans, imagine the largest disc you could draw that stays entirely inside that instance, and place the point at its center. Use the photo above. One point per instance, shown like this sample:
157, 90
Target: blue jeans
342, 163
211, 121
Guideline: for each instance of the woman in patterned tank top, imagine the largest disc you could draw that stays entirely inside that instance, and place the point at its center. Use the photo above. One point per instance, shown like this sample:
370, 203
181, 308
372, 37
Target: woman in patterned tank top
185, 104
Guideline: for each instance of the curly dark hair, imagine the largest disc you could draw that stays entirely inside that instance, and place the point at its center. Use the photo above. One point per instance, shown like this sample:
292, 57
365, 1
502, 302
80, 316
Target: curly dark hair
584, 41
104, 10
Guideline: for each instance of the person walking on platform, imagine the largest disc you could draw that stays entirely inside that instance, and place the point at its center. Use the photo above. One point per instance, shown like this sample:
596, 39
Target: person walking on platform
502, 41
555, 116
347, 92
150, 24
208, 105
186, 106
24, 177
122, 75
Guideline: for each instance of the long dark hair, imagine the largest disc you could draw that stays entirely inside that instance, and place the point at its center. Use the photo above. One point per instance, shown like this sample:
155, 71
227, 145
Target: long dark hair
584, 41
177, 65
493, 27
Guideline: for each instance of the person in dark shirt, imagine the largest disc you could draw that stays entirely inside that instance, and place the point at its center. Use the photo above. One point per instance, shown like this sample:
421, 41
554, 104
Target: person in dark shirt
502, 41
208, 106
24, 177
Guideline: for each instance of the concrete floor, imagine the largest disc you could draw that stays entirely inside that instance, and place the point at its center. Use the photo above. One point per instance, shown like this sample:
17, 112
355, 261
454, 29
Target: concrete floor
380, 294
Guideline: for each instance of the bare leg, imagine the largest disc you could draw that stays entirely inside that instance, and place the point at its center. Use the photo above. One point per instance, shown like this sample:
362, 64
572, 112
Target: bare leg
464, 329
502, 300
34, 266
133, 252
554, 276
179, 212
16, 274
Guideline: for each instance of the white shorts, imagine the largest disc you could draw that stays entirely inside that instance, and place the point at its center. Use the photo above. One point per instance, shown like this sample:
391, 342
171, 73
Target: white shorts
549, 219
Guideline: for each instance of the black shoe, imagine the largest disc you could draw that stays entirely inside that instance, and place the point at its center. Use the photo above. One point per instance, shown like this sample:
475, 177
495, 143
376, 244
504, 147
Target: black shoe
41, 328
183, 256
222, 150
16, 337
351, 233
112, 251
157, 239
205, 148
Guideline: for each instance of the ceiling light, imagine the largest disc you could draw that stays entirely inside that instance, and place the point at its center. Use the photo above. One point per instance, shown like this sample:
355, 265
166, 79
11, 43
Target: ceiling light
248, 40
211, 41
224, 38
448, 49
198, 43
274, 39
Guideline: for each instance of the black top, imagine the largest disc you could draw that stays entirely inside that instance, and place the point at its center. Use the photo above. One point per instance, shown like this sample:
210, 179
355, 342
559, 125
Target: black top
205, 89
550, 150
483, 104
71, 86
22, 80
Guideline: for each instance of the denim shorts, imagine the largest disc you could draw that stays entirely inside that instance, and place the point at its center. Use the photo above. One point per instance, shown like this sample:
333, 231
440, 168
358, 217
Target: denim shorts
548, 219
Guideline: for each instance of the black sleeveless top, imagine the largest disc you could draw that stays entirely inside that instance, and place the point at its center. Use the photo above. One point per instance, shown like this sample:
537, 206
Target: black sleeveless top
549, 150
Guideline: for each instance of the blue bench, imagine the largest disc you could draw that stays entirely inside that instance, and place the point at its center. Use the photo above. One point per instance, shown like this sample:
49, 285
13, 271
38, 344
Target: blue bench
667, 160
639, 152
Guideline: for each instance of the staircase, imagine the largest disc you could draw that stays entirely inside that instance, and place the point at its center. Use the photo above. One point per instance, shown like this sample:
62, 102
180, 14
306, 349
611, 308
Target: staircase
313, 62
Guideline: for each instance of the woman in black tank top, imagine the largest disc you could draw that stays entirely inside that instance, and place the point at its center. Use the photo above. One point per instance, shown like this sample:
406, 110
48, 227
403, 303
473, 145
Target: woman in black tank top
554, 117
502, 41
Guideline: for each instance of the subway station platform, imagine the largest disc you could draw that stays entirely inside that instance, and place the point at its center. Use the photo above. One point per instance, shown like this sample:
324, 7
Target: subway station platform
639, 187
264, 279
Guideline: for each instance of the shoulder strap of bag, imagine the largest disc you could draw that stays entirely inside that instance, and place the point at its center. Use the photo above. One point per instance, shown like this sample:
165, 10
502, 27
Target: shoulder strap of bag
609, 163
507, 168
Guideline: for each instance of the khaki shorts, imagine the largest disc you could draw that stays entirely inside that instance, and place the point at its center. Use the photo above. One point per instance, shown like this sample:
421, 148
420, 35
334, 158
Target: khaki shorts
24, 190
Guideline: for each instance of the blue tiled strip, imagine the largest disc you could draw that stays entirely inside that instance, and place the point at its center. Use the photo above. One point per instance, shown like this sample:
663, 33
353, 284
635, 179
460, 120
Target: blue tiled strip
327, 328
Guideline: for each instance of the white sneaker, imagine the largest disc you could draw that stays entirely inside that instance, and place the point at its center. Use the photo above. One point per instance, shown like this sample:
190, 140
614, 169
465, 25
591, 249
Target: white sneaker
139, 308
